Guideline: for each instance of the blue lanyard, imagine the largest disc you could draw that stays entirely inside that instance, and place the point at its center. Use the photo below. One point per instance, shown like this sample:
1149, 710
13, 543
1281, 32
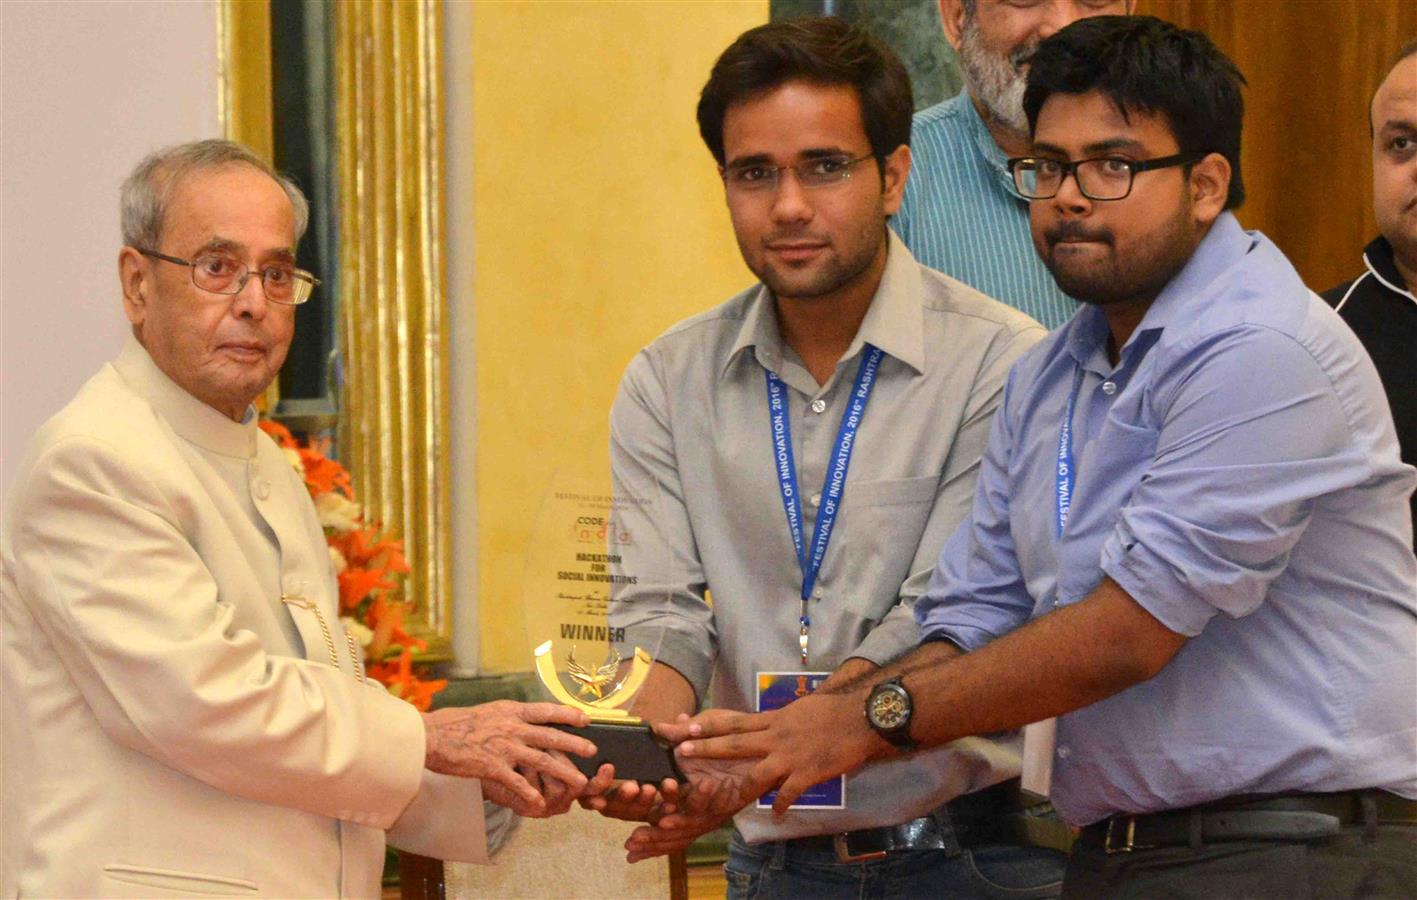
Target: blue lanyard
835, 483
1066, 469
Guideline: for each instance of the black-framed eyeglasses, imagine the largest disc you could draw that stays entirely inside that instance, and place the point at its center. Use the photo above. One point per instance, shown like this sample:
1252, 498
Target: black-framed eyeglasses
1102, 178
220, 274
818, 172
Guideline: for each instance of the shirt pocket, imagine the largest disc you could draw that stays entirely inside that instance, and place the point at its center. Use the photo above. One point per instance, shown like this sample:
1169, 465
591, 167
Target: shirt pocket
1124, 453
880, 530
895, 492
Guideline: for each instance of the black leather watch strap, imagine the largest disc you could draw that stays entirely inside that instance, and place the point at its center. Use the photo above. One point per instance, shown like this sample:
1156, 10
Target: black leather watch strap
898, 733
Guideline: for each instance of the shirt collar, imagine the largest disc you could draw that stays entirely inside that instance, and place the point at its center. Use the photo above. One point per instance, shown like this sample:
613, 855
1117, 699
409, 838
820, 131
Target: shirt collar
1223, 245
1377, 256
192, 419
894, 321
989, 151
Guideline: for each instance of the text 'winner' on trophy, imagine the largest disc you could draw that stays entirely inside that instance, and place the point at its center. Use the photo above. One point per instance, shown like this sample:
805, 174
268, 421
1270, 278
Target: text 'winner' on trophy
596, 552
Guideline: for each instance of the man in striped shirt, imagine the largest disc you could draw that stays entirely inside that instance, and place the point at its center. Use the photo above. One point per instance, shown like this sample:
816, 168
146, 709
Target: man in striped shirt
960, 214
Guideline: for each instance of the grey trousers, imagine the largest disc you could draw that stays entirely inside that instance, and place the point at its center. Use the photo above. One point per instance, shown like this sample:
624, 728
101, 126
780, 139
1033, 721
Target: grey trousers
1347, 865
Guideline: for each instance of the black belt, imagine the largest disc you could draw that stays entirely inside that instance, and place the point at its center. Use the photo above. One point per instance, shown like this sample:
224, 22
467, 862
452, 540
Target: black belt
1278, 817
868, 844
964, 821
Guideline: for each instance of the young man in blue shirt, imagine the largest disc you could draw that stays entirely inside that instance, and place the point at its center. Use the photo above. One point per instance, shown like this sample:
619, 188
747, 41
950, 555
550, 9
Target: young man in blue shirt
1193, 491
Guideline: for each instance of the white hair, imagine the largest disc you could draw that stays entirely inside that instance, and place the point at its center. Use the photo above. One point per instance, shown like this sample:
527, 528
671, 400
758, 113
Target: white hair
148, 188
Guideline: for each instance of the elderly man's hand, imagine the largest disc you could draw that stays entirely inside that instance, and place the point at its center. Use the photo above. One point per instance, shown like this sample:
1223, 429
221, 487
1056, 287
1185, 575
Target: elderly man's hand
503, 743
558, 796
814, 738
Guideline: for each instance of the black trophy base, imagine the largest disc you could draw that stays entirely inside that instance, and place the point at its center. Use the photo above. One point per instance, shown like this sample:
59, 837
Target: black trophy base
635, 751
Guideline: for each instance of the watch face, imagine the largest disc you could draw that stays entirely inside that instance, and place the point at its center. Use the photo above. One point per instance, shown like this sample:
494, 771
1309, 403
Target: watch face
889, 708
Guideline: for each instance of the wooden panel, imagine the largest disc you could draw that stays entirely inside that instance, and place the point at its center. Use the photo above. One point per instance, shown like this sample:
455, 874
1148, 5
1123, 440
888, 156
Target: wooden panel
1312, 67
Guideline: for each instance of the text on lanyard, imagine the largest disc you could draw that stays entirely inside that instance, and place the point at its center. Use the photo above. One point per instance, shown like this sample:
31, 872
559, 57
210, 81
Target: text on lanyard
809, 559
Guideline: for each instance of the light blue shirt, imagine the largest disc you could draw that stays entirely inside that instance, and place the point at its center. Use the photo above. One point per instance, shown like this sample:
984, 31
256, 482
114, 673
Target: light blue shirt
1237, 474
961, 215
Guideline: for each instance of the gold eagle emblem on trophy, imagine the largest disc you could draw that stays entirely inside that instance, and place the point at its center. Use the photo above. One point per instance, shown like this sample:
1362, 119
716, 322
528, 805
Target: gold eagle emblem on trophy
592, 681
595, 682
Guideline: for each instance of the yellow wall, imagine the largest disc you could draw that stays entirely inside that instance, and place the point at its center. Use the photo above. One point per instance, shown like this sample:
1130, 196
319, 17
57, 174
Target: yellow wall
599, 222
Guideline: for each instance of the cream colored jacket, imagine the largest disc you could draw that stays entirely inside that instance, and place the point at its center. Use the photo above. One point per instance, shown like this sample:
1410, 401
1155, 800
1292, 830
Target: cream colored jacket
160, 737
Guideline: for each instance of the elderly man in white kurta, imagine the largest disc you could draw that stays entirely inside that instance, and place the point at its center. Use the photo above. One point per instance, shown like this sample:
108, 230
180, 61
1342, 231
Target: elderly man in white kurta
182, 711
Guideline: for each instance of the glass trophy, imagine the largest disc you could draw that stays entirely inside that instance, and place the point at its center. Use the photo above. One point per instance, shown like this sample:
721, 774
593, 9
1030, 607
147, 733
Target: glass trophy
595, 565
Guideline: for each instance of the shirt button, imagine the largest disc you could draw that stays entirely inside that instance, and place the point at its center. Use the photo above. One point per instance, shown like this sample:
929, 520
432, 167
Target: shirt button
815, 499
293, 585
1064, 753
262, 489
1109, 388
816, 593
819, 406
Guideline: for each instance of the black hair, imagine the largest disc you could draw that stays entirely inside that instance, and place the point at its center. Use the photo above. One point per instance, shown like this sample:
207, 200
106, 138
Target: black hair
1146, 65
819, 50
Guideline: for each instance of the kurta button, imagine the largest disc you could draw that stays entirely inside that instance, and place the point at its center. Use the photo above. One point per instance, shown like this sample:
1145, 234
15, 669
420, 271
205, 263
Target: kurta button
819, 406
815, 499
816, 593
293, 585
1064, 753
262, 489
1109, 388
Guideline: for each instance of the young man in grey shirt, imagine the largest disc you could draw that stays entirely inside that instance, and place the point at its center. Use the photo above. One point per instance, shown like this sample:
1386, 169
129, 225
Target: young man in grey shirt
747, 416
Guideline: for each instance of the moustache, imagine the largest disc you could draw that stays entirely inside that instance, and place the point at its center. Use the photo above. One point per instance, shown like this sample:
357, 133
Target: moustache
1074, 231
789, 237
1019, 56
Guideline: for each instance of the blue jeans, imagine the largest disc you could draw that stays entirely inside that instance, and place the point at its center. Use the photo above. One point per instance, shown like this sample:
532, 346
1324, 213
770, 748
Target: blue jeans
782, 871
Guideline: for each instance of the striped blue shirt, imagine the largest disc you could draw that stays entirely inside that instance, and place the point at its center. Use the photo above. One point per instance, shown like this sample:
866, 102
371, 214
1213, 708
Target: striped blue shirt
961, 216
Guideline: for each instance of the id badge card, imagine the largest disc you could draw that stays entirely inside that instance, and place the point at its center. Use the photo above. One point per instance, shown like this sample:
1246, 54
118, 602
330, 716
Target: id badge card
776, 690
1039, 741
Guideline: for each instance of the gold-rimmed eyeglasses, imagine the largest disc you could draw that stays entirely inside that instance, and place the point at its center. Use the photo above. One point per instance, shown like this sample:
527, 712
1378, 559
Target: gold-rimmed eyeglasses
220, 274
818, 172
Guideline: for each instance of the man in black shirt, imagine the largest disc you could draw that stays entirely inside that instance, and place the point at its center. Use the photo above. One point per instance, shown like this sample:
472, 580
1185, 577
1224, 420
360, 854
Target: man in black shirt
1379, 305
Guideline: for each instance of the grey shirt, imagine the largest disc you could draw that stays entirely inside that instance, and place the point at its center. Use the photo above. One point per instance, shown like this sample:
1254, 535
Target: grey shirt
690, 427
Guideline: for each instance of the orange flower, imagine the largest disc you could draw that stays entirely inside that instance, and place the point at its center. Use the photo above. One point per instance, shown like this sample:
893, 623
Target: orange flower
399, 678
278, 432
385, 619
360, 548
323, 475
355, 586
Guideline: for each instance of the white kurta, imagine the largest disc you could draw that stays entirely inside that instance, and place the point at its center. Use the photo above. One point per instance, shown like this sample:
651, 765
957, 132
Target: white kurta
161, 731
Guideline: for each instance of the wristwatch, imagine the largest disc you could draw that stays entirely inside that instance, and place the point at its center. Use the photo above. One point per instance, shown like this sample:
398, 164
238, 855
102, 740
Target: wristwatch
888, 709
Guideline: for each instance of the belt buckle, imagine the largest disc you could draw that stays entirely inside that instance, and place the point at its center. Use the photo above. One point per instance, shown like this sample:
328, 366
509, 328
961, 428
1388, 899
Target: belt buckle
1130, 842
844, 854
